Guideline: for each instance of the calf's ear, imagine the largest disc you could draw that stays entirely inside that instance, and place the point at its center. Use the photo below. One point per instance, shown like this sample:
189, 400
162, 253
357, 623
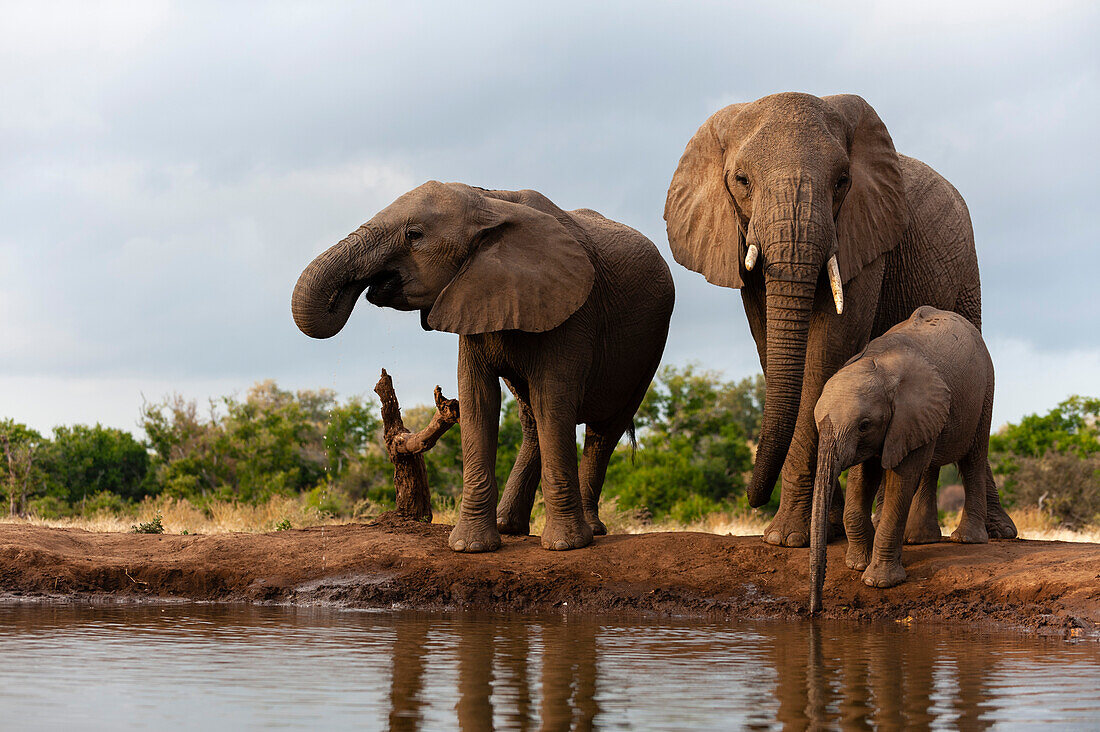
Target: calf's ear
922, 403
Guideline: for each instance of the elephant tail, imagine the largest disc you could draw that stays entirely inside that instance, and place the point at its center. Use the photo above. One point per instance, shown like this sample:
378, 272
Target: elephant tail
632, 430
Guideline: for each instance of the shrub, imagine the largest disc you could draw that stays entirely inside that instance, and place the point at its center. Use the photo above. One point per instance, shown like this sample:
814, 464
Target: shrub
694, 446
149, 527
1063, 485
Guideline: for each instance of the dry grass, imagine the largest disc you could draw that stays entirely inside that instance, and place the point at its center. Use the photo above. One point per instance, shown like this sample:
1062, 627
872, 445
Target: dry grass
221, 517
180, 515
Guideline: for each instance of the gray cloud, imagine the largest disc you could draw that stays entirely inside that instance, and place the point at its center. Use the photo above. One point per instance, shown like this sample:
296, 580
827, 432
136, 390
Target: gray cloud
168, 169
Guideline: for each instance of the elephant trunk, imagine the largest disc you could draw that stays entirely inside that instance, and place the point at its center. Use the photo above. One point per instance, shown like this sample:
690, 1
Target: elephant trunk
827, 473
798, 235
329, 287
789, 305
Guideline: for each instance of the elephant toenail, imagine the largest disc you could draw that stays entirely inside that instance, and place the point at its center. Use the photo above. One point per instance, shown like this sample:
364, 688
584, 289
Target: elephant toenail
561, 545
477, 546
459, 545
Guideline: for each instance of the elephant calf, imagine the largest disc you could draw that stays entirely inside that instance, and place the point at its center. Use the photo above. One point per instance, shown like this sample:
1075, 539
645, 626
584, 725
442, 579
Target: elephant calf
570, 308
920, 396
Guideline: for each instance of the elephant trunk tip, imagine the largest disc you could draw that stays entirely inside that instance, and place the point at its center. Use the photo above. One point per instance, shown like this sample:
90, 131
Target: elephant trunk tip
759, 492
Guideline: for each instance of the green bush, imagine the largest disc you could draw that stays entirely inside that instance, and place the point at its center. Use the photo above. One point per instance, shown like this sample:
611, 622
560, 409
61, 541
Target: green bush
149, 527
694, 450
1063, 485
49, 507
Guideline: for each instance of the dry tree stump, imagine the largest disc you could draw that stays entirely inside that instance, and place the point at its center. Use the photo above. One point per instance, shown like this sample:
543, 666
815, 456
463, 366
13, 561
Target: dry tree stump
405, 448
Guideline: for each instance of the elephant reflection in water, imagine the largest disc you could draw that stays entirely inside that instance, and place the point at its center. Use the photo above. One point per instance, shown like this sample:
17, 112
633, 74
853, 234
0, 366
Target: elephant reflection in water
496, 659
892, 679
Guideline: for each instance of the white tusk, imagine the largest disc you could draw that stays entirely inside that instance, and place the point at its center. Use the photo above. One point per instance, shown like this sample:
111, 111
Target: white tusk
750, 257
835, 283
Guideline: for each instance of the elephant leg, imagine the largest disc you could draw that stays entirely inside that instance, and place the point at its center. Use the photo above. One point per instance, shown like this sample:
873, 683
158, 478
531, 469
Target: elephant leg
863, 482
971, 528
479, 395
876, 508
998, 523
923, 526
901, 485
555, 405
598, 448
514, 510
831, 341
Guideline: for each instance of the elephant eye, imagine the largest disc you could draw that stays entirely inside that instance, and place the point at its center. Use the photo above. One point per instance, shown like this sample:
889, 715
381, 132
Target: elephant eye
842, 181
414, 234
864, 425
741, 178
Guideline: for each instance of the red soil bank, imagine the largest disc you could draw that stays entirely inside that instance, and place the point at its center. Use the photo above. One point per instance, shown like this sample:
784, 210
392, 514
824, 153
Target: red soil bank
1050, 586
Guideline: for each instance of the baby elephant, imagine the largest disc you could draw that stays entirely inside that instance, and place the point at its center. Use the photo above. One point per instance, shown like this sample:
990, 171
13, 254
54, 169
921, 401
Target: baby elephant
570, 308
919, 396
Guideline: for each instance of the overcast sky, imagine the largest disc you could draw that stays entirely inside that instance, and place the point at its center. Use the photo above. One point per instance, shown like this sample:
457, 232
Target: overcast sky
168, 169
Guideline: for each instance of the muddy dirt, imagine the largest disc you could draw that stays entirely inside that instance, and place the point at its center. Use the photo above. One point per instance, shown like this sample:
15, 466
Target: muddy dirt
1038, 585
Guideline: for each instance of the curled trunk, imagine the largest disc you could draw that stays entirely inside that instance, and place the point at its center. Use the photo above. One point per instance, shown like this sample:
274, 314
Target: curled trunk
328, 288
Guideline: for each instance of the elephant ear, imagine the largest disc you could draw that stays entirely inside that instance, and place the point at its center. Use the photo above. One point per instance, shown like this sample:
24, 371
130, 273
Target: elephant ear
922, 403
874, 214
703, 228
524, 272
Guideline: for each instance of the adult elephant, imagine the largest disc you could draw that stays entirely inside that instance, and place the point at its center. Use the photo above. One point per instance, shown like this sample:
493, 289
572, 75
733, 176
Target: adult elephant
787, 198
570, 308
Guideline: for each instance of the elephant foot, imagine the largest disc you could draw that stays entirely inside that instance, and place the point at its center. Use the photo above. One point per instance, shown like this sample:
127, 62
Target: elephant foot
788, 529
473, 537
923, 534
564, 534
598, 527
923, 527
857, 558
998, 523
513, 525
883, 574
970, 532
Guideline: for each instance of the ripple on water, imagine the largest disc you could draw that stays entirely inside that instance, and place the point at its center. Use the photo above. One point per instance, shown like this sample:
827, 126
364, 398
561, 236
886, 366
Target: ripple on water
233, 666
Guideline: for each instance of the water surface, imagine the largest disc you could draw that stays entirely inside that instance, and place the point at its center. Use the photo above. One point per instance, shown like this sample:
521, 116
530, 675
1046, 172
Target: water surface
231, 667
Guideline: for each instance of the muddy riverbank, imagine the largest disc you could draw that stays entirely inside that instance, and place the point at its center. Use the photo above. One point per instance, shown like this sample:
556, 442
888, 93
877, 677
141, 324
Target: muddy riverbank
1036, 585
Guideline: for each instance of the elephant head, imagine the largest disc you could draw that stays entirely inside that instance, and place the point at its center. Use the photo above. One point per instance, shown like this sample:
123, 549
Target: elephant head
887, 405
471, 261
794, 189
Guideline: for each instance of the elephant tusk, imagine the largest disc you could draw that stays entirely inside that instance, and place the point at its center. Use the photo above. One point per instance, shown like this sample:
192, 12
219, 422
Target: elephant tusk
835, 284
750, 257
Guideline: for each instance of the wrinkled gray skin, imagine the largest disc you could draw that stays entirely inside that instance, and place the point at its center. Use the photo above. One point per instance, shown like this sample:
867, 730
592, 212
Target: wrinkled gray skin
570, 308
803, 178
918, 397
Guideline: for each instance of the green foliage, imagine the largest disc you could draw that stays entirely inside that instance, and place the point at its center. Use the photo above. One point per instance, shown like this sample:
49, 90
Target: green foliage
1061, 484
694, 428
83, 461
273, 442
103, 502
1071, 427
149, 527
694, 447
1052, 461
20, 475
284, 525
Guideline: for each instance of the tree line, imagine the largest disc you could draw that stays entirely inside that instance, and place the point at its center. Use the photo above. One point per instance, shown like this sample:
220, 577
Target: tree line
696, 434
